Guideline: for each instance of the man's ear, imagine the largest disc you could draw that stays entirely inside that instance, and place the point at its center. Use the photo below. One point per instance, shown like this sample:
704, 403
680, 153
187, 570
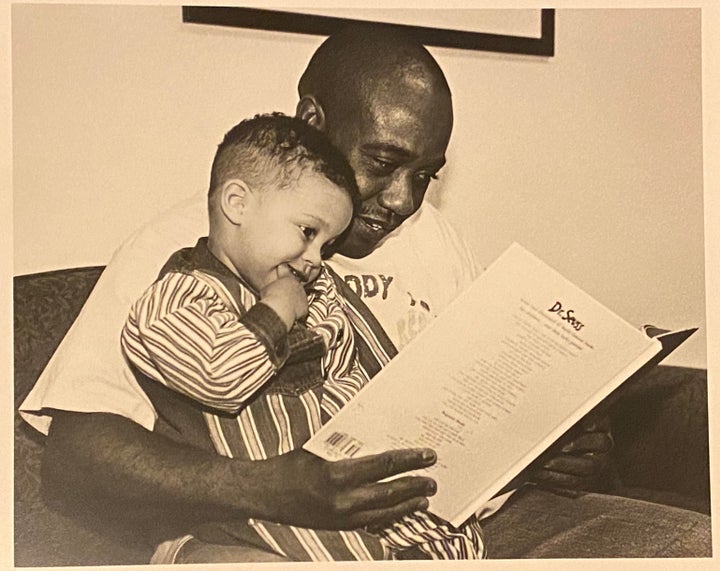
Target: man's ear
309, 110
234, 199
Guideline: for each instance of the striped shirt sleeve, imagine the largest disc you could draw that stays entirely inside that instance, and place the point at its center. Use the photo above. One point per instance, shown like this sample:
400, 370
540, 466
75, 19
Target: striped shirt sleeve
183, 334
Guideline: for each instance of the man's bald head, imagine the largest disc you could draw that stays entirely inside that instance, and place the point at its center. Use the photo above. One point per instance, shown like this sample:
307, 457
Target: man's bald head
364, 62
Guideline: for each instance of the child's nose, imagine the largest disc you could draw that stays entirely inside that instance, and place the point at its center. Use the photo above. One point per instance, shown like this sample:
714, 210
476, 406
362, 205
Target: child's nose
313, 255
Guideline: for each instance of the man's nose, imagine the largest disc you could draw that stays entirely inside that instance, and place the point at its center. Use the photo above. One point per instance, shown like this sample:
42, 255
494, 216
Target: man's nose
398, 197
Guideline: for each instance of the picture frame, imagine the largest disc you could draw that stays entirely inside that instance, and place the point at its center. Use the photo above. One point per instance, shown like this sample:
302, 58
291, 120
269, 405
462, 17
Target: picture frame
295, 22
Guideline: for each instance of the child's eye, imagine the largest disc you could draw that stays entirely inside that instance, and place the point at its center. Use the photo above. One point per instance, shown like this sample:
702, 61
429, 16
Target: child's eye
308, 232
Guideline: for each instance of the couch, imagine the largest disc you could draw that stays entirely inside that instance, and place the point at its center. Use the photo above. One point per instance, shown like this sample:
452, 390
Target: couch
660, 430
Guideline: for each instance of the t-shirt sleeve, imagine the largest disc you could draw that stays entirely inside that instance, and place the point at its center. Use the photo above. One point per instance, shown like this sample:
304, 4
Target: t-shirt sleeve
88, 373
465, 267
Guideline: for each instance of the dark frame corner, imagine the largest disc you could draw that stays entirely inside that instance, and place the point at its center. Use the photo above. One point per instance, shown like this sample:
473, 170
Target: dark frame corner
274, 20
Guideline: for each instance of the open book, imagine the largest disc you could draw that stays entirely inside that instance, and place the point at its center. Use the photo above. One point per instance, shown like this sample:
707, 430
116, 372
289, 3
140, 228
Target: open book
510, 366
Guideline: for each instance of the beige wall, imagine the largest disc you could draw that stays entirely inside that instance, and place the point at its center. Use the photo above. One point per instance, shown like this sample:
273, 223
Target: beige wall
591, 159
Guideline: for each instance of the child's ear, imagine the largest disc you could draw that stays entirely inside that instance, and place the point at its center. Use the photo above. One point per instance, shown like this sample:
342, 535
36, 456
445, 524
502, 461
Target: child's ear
234, 198
309, 110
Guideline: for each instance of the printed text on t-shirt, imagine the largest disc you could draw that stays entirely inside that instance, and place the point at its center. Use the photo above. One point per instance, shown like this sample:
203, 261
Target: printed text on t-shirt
367, 285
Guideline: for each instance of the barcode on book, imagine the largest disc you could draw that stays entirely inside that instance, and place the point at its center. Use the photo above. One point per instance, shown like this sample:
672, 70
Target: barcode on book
344, 444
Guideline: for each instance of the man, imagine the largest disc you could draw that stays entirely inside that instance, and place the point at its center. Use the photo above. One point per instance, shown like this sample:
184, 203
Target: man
383, 100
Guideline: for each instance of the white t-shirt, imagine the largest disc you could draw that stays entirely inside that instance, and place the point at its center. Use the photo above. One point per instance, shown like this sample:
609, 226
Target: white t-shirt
410, 278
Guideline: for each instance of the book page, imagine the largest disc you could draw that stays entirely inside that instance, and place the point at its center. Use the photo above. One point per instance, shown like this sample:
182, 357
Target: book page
512, 363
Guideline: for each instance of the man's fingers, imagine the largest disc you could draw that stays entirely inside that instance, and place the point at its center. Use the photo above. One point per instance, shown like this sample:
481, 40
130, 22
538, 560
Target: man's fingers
580, 460
596, 423
559, 479
377, 518
370, 469
383, 495
572, 465
595, 442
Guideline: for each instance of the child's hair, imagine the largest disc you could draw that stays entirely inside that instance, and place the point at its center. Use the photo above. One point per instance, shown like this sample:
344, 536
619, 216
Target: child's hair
274, 150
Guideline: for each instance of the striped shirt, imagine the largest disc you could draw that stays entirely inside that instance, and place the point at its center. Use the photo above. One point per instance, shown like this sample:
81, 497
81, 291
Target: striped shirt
263, 392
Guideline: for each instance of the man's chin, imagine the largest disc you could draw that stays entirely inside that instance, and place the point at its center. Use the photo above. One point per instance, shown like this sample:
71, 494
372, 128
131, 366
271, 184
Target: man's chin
361, 240
356, 248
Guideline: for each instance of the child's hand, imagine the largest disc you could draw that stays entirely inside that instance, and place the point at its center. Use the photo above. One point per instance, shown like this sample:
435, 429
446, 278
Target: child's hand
287, 297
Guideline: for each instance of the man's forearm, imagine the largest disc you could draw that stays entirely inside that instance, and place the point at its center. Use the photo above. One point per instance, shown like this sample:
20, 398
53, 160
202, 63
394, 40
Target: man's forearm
102, 459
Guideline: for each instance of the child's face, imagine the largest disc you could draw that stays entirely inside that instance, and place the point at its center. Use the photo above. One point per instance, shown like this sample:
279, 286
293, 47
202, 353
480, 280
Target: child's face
283, 231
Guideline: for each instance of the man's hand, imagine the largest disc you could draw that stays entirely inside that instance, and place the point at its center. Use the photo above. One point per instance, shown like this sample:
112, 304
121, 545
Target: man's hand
287, 297
347, 494
578, 462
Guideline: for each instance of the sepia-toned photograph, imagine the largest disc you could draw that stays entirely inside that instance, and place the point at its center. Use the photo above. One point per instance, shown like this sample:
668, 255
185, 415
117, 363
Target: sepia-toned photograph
345, 284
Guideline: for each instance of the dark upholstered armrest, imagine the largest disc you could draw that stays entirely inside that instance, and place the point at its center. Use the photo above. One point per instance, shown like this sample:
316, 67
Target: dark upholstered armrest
45, 305
660, 426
